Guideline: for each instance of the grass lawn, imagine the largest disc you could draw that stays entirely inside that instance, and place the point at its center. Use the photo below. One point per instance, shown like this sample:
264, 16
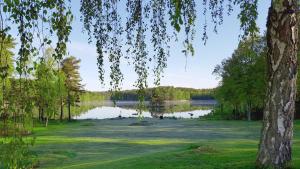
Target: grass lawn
161, 144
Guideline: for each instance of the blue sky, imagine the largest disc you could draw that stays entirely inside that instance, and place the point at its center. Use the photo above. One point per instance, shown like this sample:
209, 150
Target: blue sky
198, 72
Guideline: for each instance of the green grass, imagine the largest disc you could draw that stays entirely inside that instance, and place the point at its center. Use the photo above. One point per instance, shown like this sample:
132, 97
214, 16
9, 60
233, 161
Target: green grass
167, 144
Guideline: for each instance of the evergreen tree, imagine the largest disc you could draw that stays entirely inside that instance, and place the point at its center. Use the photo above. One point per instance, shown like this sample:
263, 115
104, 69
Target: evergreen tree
70, 67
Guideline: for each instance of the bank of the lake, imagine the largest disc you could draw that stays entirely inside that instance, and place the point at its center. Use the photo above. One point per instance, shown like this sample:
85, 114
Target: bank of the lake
168, 144
125, 109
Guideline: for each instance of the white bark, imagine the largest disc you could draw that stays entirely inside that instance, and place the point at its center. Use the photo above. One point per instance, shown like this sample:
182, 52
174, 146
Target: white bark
282, 39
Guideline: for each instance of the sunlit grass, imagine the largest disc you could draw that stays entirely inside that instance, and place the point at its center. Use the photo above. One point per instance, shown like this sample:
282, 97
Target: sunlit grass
167, 144
65, 140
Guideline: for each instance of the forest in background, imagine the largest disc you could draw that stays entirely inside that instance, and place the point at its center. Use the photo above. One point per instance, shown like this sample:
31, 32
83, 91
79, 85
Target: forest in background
165, 93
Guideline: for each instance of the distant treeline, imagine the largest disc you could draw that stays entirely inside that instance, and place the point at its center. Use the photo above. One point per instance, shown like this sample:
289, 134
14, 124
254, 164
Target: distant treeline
91, 96
153, 94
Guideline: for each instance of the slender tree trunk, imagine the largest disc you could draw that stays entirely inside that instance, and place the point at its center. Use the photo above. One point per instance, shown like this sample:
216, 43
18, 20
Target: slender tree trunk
5, 127
69, 110
42, 115
46, 122
222, 109
61, 110
277, 132
39, 113
249, 115
236, 112
61, 98
69, 106
3, 101
249, 111
233, 111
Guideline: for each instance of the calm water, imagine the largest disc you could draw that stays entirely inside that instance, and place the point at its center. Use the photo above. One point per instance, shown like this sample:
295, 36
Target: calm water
184, 109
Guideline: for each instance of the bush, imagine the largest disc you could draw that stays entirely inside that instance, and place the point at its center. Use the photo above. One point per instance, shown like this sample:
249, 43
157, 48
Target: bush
16, 153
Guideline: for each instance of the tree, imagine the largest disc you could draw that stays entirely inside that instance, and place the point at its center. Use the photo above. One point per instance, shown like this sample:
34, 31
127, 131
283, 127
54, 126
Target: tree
49, 18
7, 68
70, 67
62, 90
282, 40
243, 77
47, 86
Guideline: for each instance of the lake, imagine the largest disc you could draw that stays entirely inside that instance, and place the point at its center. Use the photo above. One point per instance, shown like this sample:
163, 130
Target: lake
171, 109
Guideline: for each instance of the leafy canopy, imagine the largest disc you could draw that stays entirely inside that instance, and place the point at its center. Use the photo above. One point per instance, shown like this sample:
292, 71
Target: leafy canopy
243, 76
39, 20
103, 21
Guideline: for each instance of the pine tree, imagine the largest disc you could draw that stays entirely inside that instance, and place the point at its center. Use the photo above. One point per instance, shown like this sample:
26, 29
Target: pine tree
70, 66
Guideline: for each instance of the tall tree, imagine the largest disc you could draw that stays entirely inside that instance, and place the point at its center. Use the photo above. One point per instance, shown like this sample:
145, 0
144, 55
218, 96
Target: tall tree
282, 39
7, 68
62, 91
243, 77
70, 66
47, 86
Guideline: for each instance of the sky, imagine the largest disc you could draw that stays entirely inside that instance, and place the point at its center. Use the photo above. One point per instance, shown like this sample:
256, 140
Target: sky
193, 71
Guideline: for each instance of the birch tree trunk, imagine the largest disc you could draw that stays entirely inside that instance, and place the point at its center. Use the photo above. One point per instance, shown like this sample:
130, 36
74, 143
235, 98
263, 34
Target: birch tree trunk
275, 149
249, 109
69, 105
61, 110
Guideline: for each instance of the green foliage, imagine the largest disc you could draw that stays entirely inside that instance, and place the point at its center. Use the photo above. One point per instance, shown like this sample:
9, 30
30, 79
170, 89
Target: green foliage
102, 22
88, 96
6, 70
6, 60
243, 79
70, 67
26, 16
49, 86
33, 20
16, 153
248, 16
163, 93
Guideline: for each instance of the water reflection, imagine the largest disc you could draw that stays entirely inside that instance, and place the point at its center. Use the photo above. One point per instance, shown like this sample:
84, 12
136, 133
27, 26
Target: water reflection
183, 109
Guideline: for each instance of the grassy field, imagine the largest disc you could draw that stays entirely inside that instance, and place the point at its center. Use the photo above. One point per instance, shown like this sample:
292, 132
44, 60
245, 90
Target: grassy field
157, 144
